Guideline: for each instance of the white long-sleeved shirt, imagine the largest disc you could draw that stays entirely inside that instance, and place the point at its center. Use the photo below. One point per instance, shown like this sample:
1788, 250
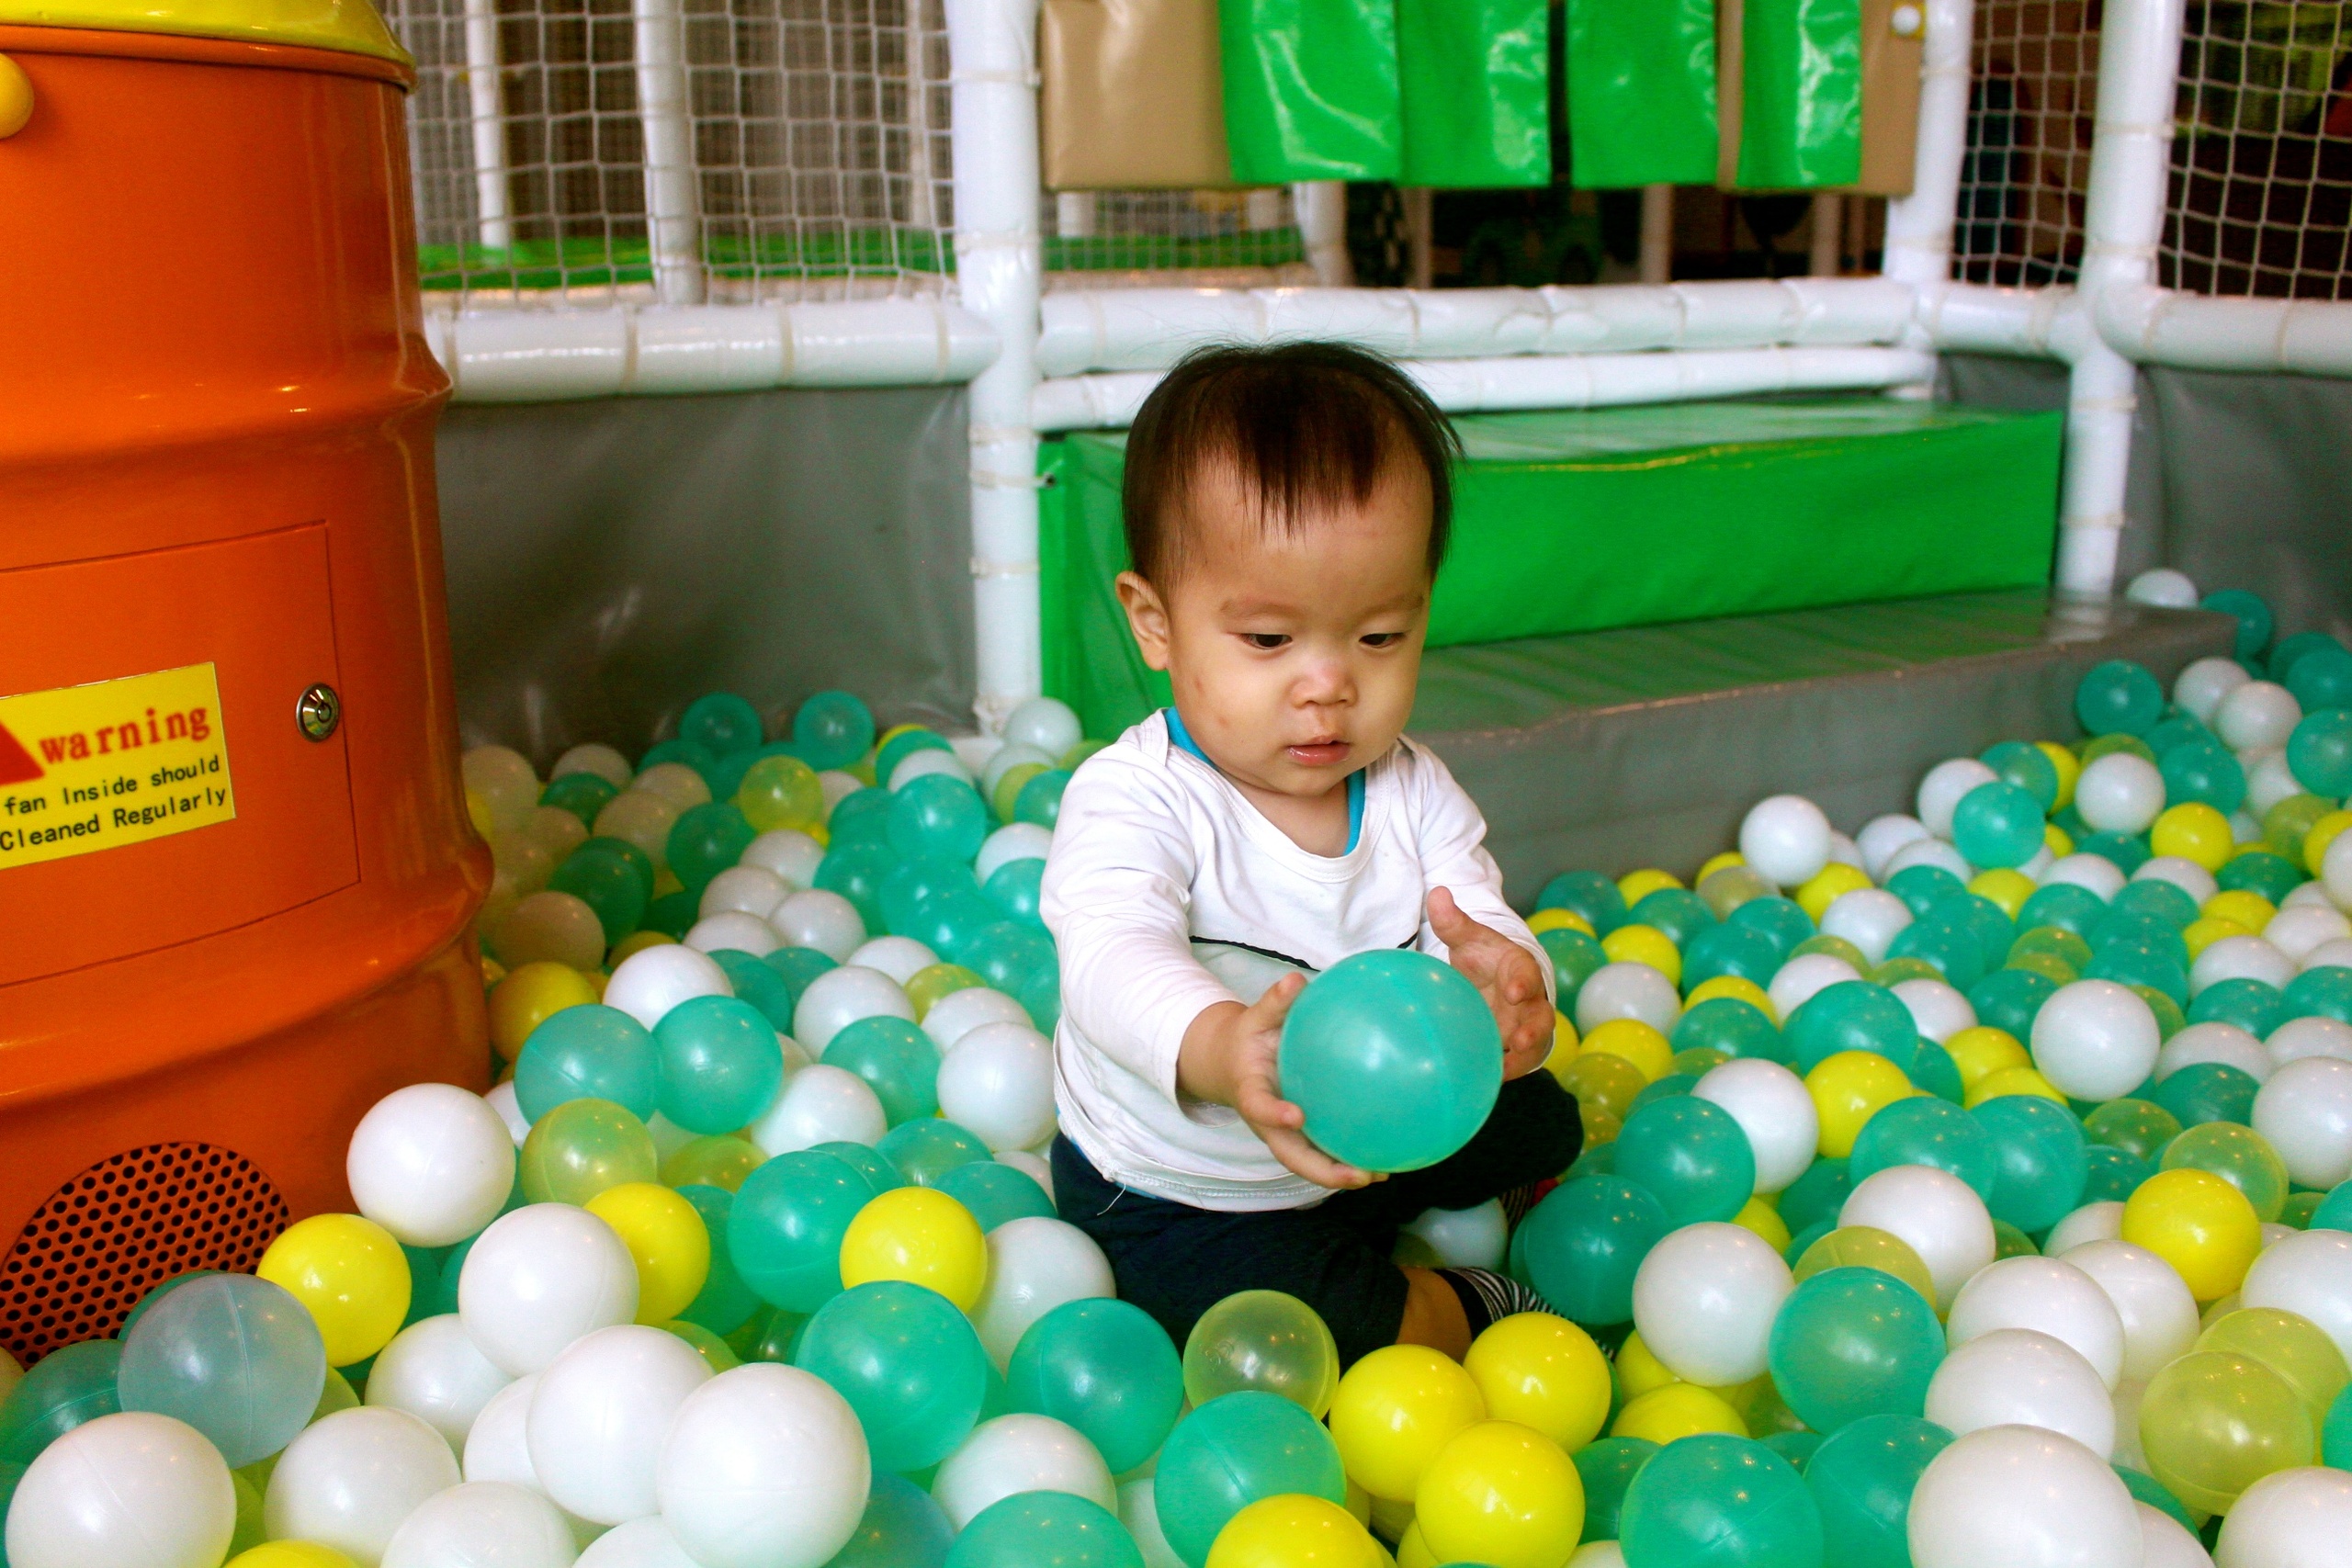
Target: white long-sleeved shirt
1169, 892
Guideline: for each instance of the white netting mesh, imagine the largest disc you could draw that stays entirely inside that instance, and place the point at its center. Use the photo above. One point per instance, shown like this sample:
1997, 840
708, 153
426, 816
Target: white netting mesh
1099, 239
2262, 163
2029, 114
810, 147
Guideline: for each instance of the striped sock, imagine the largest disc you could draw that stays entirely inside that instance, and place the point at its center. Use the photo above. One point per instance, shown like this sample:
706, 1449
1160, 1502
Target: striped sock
1487, 1297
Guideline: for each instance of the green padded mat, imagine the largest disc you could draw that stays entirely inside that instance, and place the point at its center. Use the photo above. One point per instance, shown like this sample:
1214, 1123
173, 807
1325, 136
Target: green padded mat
1574, 521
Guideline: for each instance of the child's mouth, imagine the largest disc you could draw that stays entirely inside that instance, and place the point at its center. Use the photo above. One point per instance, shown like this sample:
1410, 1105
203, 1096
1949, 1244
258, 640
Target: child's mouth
1318, 753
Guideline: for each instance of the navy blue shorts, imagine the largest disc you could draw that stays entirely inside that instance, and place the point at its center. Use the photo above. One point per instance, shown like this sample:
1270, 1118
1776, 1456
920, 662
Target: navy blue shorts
1176, 1262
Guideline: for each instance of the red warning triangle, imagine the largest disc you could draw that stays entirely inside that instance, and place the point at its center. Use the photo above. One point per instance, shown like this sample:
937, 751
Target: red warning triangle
16, 764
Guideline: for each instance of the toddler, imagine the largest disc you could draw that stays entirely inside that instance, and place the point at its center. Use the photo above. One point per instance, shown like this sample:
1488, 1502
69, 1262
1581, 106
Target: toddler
1287, 509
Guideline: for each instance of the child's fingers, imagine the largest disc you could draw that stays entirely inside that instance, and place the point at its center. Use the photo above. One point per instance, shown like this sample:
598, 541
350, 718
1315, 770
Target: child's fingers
1270, 1009
1303, 1159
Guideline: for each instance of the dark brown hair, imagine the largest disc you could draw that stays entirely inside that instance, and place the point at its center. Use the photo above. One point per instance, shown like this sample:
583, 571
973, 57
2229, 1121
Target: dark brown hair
1305, 425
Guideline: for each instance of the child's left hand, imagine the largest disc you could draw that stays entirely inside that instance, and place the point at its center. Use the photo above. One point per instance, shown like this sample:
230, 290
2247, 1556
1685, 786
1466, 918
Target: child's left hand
1506, 975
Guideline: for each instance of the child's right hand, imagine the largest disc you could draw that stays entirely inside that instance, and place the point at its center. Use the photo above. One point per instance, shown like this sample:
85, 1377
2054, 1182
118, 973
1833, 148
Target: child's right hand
1229, 1056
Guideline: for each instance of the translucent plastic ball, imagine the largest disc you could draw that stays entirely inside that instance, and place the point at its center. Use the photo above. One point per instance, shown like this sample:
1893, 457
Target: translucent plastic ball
132, 1490
823, 920
1705, 1300
1046, 724
1383, 1029
352, 1478
839, 997
2049, 1296
2024, 1498
2120, 794
1937, 1213
433, 1371
1772, 1108
1018, 1453
2095, 1040
820, 1104
1034, 1266
648, 982
1946, 784
762, 1467
998, 1082
235, 1357
2256, 715
1266, 1341
1785, 838
582, 1147
539, 1278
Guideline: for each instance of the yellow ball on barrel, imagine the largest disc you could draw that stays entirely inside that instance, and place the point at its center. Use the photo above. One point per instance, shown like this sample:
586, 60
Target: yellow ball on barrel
1503, 1495
920, 1235
667, 1240
1294, 1532
350, 1274
1545, 1373
1394, 1410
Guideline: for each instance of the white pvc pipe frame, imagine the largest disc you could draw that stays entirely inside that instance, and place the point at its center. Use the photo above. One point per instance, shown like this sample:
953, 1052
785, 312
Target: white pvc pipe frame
1081, 359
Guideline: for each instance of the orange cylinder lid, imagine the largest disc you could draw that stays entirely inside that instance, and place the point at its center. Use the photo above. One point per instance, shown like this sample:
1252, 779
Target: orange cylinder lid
350, 27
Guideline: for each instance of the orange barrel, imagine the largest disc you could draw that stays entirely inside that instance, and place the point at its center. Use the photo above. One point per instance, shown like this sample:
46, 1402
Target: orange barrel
236, 873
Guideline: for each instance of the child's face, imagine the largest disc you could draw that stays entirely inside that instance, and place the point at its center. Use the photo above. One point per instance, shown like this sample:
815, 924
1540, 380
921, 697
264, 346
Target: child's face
1294, 655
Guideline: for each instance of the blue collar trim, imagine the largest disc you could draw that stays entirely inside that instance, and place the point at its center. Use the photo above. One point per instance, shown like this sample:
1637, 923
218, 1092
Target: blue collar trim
1183, 739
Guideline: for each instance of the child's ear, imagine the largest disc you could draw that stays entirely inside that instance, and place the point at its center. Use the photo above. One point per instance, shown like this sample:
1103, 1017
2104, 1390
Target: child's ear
1147, 617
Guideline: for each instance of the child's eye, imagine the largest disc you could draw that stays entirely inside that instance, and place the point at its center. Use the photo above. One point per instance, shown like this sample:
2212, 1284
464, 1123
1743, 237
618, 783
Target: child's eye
1267, 641
1381, 639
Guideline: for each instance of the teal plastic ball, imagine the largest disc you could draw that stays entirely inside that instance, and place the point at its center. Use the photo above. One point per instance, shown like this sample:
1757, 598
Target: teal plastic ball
723, 722
591, 1052
1233, 1451
2118, 697
1851, 1343
720, 1063
1043, 1529
785, 1230
910, 1363
1381, 1030
939, 816
1861, 1478
1105, 1367
1691, 1155
1583, 1244
897, 1060
2043, 1160
1713, 1499
832, 729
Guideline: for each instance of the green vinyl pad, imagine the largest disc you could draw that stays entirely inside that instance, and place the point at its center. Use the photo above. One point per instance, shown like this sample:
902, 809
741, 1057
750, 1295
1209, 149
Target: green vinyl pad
1579, 521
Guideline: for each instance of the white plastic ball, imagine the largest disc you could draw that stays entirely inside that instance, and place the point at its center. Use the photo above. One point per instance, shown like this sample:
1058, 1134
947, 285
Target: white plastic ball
900, 957
502, 1099
955, 1015
731, 930
838, 785
1939, 1216
2034, 865
2092, 1222
2316, 1036
2311, 1273
2186, 874
2239, 958
1929, 852
1007, 756
131, 1490
1598, 1554
1045, 723
1628, 991
922, 764
1015, 841
1881, 836
1773, 1107
594, 758
433, 1371
2158, 1314
2048, 1295
1704, 1299
596, 1423
483, 1524
1012, 1454
1843, 851
1946, 786
2307, 896
839, 997
431, 1163
1139, 1511
353, 1478
2214, 1041
2257, 714
2095, 1040
998, 1084
2016, 1377
2295, 931
540, 1278
787, 855
1937, 1010
820, 1104
763, 1466
2335, 870
651, 981
677, 783
826, 921
1796, 982
1035, 1264
1786, 839
2093, 874
640, 1543
1032, 1165
503, 779
2164, 588
1870, 918
2332, 954
1466, 1238
745, 889
975, 751
2163, 1541
2268, 780
498, 1449
2120, 793
2290, 1518
2022, 1498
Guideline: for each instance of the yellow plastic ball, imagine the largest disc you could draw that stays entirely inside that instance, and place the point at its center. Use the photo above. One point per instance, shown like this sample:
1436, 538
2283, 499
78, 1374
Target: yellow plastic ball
636, 942
921, 1236
2197, 1223
1677, 1410
528, 996
2239, 906
2322, 834
1634, 1041
2194, 831
1412, 1552
1543, 1372
1636, 943
1394, 1410
1763, 1220
1830, 883
1847, 1089
1500, 1494
1638, 1372
1390, 1517
1981, 1050
2005, 886
1748, 991
2011, 1081
350, 1274
291, 1555
2069, 766
1564, 1044
478, 813
1635, 885
666, 1238
2205, 930
1294, 1530
1558, 921
1867, 1246
1716, 863
1605, 1084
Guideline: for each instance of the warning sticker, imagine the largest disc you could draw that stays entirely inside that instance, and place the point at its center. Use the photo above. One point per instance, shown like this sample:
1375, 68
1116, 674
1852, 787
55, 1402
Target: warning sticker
90, 768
